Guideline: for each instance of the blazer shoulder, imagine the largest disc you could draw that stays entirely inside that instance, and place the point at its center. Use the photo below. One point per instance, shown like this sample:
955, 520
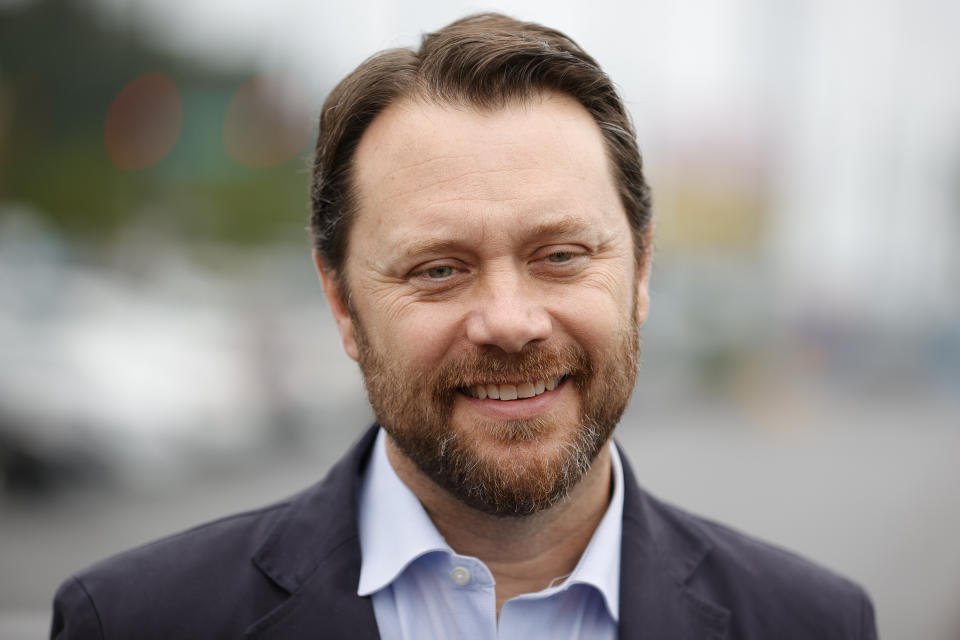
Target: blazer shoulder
171, 586
773, 592
219, 579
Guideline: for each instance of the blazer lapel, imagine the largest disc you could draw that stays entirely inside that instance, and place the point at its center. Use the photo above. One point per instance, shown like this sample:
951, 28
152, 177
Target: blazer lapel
658, 556
313, 553
326, 606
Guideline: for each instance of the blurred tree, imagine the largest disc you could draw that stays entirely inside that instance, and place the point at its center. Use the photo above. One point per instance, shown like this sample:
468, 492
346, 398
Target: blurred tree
62, 67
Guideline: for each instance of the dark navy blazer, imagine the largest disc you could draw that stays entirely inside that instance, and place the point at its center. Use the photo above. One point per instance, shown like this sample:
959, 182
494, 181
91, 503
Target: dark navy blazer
291, 570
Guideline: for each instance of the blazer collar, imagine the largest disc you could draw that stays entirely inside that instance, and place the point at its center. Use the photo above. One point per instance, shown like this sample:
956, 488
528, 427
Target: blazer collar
313, 553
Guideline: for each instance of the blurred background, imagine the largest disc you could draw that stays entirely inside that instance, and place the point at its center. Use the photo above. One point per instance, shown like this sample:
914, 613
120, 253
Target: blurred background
166, 356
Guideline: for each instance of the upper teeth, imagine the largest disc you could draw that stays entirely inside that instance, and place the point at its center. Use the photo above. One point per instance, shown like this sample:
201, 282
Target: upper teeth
513, 391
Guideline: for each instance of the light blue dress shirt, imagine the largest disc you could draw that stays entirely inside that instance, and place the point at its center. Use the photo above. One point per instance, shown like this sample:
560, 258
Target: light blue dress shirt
422, 590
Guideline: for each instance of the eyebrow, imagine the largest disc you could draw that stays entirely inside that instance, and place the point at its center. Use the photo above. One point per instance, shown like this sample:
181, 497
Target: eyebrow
432, 245
563, 225
560, 226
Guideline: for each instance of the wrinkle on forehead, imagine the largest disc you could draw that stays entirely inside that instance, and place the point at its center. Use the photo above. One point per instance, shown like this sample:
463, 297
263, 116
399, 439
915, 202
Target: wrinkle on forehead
468, 177
441, 179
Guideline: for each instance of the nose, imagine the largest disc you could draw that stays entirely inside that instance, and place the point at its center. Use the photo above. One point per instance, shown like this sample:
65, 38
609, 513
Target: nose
507, 315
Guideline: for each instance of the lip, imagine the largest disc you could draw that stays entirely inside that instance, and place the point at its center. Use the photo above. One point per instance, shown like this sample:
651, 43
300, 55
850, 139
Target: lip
518, 409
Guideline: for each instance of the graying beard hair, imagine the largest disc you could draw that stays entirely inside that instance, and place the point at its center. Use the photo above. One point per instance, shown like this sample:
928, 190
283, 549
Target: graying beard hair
493, 487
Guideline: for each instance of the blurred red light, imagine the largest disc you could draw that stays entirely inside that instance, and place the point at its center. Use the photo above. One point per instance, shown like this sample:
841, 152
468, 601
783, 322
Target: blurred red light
143, 122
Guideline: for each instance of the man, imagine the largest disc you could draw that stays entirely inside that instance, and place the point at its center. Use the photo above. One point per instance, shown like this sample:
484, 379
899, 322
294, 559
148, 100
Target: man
482, 233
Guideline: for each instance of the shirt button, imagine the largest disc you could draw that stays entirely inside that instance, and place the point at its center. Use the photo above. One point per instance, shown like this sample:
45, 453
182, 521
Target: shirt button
461, 576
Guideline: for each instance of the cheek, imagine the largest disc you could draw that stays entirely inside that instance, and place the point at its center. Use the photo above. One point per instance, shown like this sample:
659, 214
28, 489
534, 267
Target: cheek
594, 317
419, 337
592, 329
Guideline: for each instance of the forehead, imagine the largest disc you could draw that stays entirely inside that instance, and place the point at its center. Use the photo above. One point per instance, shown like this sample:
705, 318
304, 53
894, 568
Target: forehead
422, 167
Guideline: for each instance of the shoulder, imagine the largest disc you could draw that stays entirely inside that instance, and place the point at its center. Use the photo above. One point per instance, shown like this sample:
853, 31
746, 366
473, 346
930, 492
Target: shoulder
770, 591
176, 583
752, 589
219, 578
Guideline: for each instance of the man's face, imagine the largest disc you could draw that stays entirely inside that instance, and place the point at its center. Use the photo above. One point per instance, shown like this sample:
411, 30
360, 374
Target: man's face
494, 299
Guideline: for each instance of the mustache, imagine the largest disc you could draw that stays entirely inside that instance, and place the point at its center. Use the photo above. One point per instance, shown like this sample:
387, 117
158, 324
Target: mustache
492, 366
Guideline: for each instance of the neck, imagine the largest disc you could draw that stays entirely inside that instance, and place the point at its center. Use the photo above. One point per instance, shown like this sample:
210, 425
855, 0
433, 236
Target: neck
524, 554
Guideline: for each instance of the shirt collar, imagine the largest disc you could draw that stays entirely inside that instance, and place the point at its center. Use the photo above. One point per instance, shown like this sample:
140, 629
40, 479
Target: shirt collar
393, 526
395, 530
600, 563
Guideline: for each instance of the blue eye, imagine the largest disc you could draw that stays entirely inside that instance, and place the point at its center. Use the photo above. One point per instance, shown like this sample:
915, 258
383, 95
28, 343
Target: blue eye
439, 272
560, 257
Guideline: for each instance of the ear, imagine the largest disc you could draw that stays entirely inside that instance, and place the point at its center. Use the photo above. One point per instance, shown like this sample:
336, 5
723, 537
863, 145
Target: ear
643, 279
338, 306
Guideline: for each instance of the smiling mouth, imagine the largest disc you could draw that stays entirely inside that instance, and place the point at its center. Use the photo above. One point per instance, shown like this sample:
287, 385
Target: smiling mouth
512, 391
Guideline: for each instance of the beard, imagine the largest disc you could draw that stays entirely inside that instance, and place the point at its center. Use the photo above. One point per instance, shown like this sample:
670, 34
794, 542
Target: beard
415, 408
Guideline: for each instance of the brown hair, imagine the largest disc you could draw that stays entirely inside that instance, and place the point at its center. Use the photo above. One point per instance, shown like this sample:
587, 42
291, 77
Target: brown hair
486, 61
